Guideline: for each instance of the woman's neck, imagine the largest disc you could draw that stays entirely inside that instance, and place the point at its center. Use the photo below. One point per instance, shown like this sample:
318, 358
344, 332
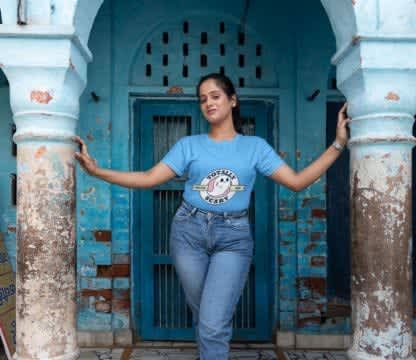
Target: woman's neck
225, 131
218, 134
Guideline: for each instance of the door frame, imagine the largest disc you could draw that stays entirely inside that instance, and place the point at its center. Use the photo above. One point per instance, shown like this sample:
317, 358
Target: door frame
135, 233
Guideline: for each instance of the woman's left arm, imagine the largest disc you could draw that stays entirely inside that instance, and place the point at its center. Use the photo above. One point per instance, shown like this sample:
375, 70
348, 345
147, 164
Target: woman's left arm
286, 176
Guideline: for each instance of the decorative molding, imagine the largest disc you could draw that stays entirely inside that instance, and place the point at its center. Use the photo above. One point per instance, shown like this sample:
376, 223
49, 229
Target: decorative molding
346, 48
46, 32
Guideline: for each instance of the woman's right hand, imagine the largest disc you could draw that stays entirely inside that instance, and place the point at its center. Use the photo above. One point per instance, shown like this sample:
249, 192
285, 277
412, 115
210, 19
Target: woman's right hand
88, 163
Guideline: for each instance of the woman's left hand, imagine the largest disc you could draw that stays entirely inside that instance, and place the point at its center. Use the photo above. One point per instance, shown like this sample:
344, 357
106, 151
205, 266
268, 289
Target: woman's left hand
343, 121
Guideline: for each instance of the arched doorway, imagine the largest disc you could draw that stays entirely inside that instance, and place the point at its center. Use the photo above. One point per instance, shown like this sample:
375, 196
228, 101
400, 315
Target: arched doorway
157, 124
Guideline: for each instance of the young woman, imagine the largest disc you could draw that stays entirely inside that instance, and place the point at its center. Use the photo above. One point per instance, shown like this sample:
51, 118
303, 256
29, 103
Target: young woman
210, 240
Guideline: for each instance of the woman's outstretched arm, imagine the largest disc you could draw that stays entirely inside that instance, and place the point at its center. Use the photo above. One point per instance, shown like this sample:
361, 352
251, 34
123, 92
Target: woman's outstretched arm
157, 175
286, 176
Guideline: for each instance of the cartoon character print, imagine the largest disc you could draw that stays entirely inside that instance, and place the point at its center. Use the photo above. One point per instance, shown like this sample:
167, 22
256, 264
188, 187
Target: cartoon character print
219, 186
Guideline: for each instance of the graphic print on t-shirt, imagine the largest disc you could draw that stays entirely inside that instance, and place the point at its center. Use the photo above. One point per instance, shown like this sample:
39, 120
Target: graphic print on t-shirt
219, 186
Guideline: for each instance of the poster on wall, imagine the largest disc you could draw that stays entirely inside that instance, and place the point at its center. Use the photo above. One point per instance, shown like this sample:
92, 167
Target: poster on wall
7, 302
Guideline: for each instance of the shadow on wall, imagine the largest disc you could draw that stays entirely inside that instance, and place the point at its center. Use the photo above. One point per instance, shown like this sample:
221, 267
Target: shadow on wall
8, 152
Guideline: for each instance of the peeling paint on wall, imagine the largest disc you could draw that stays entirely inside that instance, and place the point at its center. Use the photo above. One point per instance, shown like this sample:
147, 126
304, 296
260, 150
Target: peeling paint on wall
41, 97
46, 305
381, 258
392, 96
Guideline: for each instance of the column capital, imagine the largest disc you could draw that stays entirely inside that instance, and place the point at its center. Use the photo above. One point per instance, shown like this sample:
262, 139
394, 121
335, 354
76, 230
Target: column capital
377, 75
47, 72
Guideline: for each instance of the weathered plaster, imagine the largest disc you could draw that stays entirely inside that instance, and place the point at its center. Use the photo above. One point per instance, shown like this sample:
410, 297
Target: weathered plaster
381, 251
46, 257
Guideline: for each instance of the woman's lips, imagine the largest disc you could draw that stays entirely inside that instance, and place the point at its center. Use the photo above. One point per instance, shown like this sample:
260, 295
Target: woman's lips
211, 111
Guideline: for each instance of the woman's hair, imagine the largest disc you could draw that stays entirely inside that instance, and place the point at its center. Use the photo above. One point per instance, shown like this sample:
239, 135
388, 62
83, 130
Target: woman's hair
227, 86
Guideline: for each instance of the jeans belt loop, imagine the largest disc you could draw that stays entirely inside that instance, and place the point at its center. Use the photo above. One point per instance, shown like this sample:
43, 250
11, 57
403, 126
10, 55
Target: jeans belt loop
193, 211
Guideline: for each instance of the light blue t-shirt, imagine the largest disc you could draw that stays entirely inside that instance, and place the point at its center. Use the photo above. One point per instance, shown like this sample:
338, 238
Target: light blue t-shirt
220, 175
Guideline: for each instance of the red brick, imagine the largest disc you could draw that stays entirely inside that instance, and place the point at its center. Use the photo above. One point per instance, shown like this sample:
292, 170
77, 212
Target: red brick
307, 306
316, 320
102, 235
318, 261
121, 294
316, 236
317, 285
310, 248
319, 213
121, 305
104, 271
107, 294
121, 270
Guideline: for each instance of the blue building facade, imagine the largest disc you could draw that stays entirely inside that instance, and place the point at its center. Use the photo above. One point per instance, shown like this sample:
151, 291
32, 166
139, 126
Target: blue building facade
139, 98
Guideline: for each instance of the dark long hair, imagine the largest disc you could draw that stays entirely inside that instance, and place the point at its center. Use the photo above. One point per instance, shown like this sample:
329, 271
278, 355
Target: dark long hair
227, 86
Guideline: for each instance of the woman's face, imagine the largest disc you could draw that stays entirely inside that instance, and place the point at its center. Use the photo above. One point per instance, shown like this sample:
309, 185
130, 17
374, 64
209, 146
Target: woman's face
214, 102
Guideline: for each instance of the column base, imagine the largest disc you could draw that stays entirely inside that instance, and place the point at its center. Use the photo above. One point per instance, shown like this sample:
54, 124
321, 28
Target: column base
361, 355
71, 356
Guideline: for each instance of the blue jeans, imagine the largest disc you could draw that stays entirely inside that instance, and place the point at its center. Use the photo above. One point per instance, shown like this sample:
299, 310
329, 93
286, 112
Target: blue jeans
212, 254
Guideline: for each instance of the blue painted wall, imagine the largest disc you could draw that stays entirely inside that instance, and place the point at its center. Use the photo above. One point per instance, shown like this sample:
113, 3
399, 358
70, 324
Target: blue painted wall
7, 168
297, 44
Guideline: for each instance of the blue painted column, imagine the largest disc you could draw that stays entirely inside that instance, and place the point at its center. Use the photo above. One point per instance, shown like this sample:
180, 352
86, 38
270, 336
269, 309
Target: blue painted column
46, 65
378, 77
44, 99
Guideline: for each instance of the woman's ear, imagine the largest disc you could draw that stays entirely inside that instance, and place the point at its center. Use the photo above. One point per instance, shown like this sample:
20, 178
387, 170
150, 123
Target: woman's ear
233, 100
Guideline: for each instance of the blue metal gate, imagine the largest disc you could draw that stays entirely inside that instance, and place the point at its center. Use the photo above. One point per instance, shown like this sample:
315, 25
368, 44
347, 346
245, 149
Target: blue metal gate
163, 313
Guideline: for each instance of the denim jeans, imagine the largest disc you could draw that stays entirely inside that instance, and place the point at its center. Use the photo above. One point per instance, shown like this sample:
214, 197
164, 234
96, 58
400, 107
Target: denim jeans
212, 254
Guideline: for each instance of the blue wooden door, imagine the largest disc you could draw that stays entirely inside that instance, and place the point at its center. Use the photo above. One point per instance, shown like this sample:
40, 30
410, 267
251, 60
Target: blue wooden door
161, 311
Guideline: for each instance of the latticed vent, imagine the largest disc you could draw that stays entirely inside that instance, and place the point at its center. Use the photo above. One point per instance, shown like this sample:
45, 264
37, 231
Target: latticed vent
204, 48
258, 72
258, 50
222, 49
148, 70
185, 49
185, 27
241, 38
204, 38
204, 60
165, 37
241, 60
165, 60
222, 27
185, 71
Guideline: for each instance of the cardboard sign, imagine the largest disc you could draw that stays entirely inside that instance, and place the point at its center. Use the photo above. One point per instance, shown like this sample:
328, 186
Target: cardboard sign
7, 302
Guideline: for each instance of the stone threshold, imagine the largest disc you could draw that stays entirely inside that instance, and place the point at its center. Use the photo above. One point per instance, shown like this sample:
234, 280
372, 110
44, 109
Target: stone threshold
292, 340
285, 340
151, 353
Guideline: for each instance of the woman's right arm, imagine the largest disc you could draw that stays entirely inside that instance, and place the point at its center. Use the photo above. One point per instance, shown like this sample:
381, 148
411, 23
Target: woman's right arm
157, 175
